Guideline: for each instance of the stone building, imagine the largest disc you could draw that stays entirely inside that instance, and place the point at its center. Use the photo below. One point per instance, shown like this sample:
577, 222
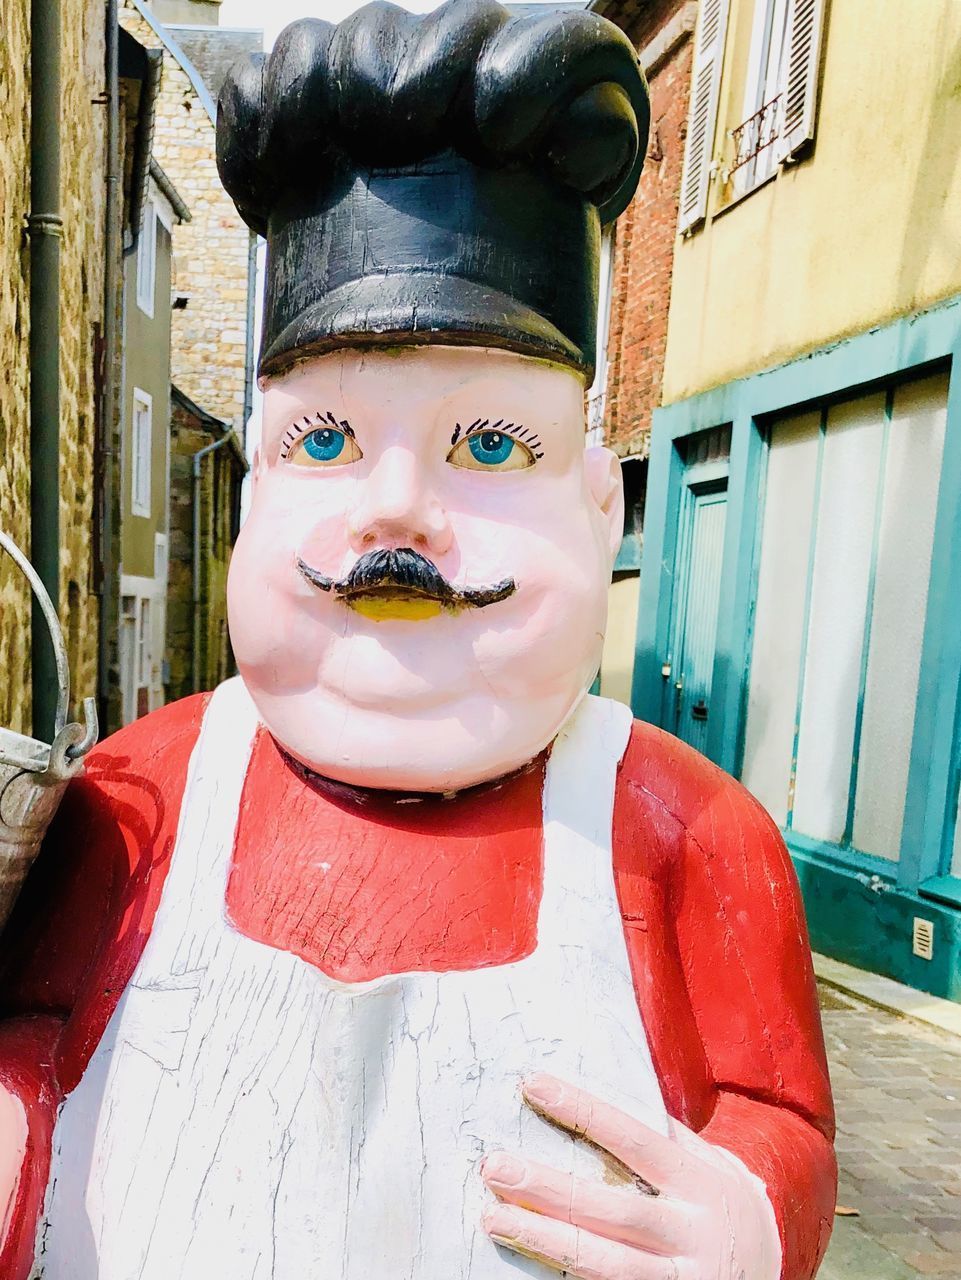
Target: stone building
212, 288
83, 194
214, 265
637, 264
144, 478
207, 470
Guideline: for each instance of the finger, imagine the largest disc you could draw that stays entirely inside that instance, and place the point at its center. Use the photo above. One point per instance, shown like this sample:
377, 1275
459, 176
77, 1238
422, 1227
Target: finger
623, 1214
658, 1160
567, 1248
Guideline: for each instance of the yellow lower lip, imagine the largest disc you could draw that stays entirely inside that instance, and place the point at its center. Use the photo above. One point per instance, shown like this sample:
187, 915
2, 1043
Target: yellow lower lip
385, 608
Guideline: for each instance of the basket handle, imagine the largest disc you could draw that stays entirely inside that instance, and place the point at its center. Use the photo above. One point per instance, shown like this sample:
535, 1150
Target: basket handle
59, 650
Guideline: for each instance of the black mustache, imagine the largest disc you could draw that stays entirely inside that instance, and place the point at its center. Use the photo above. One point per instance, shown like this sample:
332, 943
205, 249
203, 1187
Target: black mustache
403, 571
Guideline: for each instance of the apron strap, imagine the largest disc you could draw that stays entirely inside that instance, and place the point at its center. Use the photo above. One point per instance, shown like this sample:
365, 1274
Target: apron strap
197, 880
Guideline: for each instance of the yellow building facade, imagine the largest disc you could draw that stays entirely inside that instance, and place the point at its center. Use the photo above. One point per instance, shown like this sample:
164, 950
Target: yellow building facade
797, 619
864, 228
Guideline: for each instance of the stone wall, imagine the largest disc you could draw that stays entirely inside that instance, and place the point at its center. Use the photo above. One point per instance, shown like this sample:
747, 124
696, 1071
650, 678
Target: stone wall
15, 383
221, 476
202, 11
81, 310
81, 319
211, 252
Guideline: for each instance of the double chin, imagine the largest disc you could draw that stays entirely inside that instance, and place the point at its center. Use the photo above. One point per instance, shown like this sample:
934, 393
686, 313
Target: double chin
460, 742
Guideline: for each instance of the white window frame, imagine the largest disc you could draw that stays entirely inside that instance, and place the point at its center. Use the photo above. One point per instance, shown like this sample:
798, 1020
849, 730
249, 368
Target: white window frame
144, 648
147, 260
142, 635
141, 453
783, 70
765, 81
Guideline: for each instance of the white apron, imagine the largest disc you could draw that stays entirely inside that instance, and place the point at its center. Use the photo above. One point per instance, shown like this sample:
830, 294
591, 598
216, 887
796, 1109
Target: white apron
246, 1117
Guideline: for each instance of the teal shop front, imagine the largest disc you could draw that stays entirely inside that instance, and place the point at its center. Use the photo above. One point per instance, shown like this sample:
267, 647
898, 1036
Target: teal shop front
800, 623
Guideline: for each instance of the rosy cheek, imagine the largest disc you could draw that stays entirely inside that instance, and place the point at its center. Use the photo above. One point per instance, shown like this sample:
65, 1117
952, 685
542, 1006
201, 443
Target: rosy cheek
302, 515
324, 544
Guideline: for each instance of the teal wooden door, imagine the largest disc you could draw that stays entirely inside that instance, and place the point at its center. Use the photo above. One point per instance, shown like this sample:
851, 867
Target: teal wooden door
697, 591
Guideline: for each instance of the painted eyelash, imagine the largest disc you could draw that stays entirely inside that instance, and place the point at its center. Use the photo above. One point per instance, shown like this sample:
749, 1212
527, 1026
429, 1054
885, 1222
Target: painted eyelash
518, 431
297, 429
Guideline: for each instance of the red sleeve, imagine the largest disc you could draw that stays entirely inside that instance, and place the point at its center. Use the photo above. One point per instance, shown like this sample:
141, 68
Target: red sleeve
79, 928
27, 1050
732, 908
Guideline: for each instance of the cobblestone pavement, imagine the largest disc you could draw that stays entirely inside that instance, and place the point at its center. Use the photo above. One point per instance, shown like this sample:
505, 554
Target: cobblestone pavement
897, 1088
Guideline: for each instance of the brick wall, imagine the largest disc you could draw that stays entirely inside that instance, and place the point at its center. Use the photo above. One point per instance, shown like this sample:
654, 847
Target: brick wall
81, 308
645, 235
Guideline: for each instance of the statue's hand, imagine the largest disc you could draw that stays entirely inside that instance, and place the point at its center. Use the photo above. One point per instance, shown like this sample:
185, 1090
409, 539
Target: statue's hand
13, 1145
694, 1212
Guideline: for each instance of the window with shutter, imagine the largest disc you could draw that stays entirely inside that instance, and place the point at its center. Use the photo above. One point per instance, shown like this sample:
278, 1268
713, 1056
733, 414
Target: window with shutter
805, 26
754, 155
705, 82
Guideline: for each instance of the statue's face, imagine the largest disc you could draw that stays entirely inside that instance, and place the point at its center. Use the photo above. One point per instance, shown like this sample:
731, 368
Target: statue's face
458, 659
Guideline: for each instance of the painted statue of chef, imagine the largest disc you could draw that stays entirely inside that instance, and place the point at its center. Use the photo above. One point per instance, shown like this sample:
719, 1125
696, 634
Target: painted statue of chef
399, 957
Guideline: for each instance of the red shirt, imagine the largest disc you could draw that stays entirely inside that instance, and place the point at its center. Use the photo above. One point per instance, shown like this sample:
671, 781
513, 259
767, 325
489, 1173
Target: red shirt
369, 884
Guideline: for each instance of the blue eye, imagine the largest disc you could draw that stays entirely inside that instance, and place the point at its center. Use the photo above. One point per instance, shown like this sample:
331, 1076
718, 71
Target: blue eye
491, 447
325, 444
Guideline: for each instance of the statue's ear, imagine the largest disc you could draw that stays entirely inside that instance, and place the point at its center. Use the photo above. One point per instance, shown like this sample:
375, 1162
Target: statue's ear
603, 470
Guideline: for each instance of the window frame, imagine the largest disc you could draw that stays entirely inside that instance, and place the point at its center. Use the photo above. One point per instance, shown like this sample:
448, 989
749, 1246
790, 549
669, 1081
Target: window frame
888, 389
141, 454
762, 88
785, 111
906, 348
147, 260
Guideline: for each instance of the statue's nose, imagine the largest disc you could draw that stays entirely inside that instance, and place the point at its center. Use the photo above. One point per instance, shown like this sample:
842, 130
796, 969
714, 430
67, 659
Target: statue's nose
397, 507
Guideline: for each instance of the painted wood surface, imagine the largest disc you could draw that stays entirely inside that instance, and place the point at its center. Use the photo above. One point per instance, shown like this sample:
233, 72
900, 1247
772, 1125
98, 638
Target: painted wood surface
248, 1113
714, 933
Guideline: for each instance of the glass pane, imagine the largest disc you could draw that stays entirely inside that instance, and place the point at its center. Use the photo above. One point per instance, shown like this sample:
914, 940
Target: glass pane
779, 612
905, 536
850, 472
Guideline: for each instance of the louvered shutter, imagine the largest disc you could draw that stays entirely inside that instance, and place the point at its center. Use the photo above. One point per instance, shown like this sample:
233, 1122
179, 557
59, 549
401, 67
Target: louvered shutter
705, 82
802, 60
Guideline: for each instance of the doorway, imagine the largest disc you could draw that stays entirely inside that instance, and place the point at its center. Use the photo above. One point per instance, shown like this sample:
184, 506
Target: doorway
689, 669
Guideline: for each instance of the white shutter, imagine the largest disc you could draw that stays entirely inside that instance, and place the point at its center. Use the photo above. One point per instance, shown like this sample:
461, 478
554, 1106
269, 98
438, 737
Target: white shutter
802, 60
705, 83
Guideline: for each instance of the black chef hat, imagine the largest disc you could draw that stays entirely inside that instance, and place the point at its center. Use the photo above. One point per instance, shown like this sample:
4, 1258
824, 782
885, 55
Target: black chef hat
434, 179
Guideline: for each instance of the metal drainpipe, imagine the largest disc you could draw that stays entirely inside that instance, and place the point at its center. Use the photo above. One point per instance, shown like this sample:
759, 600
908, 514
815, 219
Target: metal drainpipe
198, 458
45, 227
111, 338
